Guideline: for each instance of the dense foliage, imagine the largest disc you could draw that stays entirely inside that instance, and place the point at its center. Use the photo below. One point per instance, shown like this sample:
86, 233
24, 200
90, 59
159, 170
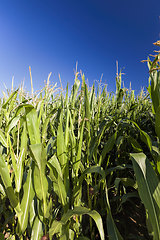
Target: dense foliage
83, 165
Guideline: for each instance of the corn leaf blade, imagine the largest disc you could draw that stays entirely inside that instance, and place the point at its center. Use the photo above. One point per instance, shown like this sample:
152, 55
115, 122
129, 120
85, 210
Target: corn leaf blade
149, 189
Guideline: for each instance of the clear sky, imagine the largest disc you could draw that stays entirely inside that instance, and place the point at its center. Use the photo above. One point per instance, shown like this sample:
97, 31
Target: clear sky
52, 35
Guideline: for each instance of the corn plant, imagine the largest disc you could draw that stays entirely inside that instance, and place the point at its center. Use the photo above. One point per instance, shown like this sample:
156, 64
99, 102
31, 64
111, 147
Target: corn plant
65, 162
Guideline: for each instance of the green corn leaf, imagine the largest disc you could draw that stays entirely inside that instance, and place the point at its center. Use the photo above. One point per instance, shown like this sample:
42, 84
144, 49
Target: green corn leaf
155, 89
93, 169
40, 110
157, 122
87, 107
56, 226
2, 191
32, 213
97, 140
126, 197
74, 91
61, 153
67, 127
62, 191
129, 182
20, 108
53, 162
144, 137
111, 227
33, 126
17, 163
136, 146
61, 148
44, 129
10, 98
19, 171
149, 189
66, 98
119, 168
112, 230
26, 202
24, 142
108, 147
79, 152
49, 209
3, 139
24, 139
39, 155
4, 172
37, 182
13, 123
37, 231
92, 97
73, 144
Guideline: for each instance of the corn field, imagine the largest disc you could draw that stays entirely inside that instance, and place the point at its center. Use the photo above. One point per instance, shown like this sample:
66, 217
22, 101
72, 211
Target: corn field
81, 165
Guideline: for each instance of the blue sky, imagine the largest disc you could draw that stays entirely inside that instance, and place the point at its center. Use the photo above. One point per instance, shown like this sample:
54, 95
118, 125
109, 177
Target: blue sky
51, 36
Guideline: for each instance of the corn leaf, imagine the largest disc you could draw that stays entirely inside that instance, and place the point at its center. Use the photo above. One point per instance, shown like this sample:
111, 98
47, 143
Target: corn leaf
39, 155
157, 122
149, 189
53, 162
79, 152
144, 136
155, 89
32, 126
62, 191
26, 201
112, 230
4, 172
3, 139
13, 123
37, 231
17, 163
78, 211
108, 147
61, 148
10, 98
